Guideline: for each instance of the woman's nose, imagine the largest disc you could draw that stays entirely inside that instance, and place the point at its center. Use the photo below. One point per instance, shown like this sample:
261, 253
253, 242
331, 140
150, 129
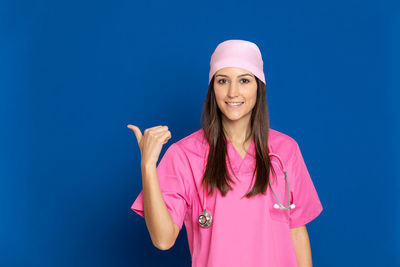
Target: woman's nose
233, 90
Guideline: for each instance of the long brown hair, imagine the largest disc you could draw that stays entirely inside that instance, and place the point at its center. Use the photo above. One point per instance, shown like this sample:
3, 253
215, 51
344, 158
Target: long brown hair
216, 174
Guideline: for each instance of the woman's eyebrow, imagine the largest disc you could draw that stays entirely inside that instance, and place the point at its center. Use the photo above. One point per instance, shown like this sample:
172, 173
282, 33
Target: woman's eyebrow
246, 74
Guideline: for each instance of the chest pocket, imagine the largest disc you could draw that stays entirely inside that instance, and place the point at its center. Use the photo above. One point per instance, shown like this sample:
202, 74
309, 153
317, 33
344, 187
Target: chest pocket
279, 186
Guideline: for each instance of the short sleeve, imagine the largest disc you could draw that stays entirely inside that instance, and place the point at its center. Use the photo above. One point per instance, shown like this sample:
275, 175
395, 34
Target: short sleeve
304, 195
173, 172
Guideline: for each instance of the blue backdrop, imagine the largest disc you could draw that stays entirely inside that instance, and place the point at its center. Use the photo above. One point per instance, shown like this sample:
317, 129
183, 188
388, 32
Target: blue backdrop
73, 74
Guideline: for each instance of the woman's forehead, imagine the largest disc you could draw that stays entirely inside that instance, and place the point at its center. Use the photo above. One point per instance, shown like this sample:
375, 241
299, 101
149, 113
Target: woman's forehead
233, 71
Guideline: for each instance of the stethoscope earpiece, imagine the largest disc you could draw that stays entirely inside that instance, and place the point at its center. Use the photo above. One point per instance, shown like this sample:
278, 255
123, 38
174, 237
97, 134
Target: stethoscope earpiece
291, 206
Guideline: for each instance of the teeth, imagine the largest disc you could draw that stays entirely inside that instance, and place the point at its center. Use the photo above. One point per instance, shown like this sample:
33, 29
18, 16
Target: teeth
234, 103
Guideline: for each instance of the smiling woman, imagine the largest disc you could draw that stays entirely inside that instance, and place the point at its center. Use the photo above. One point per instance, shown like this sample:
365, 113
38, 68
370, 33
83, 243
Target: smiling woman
234, 165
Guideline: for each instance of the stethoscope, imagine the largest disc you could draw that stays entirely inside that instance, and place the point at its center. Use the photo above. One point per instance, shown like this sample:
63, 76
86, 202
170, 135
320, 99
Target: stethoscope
205, 218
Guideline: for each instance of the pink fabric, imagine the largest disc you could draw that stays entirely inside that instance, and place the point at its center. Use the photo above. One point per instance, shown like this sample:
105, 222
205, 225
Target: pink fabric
244, 232
237, 53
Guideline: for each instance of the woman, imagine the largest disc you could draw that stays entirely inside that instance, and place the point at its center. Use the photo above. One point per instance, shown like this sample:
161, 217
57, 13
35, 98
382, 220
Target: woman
227, 180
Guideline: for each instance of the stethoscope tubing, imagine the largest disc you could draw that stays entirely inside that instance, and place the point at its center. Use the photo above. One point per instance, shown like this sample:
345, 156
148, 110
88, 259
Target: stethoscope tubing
205, 217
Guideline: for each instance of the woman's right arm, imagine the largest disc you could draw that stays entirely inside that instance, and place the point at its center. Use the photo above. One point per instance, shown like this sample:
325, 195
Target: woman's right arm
163, 231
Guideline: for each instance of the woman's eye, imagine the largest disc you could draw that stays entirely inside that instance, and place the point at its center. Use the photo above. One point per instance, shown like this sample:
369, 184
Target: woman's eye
247, 81
219, 81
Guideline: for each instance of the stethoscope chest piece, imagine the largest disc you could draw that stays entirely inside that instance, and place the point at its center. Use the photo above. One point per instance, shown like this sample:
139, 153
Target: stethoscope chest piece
205, 219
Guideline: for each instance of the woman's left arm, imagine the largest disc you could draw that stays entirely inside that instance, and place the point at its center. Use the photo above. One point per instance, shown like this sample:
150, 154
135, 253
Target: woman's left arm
302, 246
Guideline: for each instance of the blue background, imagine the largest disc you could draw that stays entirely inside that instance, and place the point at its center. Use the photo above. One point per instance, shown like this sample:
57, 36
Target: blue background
73, 74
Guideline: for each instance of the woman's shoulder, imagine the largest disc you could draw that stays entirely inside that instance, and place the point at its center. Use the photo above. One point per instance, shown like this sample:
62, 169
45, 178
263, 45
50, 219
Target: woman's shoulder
279, 140
192, 144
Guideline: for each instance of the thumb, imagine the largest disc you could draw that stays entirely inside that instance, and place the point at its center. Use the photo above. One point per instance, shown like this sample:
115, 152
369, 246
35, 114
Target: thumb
137, 132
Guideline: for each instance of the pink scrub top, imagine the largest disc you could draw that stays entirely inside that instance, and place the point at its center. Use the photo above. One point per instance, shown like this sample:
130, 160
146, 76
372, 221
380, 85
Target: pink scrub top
244, 232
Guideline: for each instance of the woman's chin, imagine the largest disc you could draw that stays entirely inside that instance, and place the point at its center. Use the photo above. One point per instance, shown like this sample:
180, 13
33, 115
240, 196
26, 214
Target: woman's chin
231, 117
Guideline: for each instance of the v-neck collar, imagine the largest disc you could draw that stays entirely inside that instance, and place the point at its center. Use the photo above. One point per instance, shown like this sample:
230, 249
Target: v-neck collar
236, 159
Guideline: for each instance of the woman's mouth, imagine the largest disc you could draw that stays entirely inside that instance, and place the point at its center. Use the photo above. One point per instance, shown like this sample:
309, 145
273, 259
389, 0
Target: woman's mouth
234, 104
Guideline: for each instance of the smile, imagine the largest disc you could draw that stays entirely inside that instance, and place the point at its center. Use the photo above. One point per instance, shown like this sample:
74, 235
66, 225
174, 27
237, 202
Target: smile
234, 104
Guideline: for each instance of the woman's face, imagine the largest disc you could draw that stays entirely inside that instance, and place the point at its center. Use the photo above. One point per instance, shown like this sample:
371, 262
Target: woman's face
236, 92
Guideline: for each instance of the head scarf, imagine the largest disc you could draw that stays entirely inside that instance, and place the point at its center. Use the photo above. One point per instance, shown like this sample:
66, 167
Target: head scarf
237, 53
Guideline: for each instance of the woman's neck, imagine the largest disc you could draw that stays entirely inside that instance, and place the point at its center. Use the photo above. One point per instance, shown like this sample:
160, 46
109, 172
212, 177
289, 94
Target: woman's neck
236, 131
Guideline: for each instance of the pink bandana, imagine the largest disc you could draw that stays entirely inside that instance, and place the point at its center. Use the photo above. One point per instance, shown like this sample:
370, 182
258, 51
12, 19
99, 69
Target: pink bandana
237, 53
